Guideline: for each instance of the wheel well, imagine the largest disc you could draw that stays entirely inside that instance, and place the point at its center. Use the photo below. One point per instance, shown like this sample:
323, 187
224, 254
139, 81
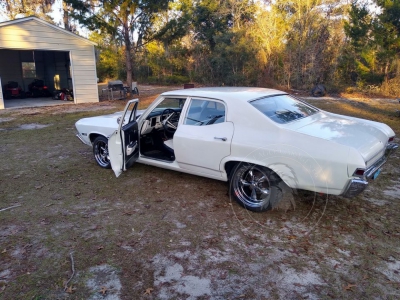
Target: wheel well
229, 166
93, 136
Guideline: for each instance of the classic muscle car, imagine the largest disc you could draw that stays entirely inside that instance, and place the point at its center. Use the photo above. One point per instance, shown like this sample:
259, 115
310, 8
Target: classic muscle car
257, 139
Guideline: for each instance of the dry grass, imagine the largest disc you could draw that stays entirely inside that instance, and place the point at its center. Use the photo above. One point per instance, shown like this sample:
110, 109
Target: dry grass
159, 234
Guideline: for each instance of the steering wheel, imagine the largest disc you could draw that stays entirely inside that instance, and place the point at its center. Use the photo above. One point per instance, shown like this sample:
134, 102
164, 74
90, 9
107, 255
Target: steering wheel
169, 120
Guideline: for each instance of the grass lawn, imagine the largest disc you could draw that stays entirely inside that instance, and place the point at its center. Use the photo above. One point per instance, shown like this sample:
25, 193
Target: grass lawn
159, 234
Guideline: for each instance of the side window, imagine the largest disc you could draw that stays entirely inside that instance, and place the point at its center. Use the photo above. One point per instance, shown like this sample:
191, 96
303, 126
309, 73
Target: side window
205, 112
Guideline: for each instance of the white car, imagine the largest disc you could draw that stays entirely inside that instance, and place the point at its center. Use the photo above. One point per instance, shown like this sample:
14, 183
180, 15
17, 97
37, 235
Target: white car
257, 139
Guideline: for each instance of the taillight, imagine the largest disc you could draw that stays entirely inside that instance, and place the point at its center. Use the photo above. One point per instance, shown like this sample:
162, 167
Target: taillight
359, 172
391, 139
45, 87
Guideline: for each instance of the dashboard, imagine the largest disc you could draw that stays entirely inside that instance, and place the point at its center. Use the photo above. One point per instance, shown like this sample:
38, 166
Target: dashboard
154, 120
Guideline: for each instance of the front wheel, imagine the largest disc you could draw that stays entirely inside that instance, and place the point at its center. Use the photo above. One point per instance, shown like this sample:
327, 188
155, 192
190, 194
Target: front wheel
100, 152
254, 187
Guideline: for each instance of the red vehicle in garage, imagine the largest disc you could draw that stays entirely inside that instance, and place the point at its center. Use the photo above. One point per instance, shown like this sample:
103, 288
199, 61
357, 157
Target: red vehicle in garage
38, 89
13, 90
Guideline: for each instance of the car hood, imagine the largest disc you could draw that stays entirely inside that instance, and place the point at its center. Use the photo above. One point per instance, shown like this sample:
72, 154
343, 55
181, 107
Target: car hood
110, 119
368, 137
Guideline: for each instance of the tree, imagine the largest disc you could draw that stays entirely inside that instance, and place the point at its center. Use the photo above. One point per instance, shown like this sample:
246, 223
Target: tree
375, 39
123, 19
12, 9
308, 34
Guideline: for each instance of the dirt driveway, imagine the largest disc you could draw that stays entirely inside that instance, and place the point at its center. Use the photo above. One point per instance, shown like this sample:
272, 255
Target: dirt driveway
74, 231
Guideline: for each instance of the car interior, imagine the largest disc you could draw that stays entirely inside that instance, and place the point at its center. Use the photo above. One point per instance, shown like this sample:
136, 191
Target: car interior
157, 132
158, 129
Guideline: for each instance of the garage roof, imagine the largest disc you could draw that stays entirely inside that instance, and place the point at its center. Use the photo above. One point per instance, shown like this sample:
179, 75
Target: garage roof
16, 21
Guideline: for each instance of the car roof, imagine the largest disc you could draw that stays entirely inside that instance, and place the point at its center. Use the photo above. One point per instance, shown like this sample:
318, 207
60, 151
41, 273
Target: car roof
226, 93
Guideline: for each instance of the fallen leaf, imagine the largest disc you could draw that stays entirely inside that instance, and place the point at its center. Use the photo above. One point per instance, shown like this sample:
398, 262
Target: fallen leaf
291, 237
70, 289
148, 291
349, 287
38, 187
103, 290
4, 251
128, 213
297, 284
100, 247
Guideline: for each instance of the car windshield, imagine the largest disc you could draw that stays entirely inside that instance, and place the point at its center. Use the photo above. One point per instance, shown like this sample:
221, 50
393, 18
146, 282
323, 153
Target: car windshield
283, 108
174, 103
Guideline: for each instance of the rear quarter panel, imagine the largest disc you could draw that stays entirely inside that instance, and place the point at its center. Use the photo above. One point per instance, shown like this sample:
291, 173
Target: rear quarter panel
302, 161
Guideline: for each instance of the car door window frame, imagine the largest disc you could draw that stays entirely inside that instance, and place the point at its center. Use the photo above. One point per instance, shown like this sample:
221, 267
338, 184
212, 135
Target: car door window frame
190, 101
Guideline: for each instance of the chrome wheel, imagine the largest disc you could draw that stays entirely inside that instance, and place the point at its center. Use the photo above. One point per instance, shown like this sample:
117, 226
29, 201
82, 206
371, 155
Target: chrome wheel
100, 152
255, 187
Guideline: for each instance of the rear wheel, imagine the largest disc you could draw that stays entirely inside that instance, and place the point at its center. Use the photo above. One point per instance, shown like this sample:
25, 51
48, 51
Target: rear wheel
100, 152
254, 187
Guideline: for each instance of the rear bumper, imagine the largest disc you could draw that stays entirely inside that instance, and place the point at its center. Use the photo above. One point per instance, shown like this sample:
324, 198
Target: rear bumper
357, 185
390, 148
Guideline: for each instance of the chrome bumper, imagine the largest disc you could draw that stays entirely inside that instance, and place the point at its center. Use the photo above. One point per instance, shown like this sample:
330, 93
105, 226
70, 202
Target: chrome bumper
357, 185
390, 148
81, 139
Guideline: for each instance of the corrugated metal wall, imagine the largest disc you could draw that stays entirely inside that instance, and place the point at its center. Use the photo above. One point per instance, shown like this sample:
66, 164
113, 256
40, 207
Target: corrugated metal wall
34, 35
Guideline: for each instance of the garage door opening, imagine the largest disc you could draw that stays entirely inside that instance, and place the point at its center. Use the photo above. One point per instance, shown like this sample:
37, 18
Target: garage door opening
30, 77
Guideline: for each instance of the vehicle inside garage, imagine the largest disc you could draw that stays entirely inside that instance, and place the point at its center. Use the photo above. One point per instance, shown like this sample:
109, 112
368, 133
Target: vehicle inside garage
38, 59
34, 73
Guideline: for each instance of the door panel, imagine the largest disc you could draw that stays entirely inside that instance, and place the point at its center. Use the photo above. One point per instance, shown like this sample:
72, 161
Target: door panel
201, 148
131, 141
115, 153
123, 144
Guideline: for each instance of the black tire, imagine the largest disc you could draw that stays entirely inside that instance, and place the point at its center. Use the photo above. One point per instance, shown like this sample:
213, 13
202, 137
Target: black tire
254, 187
318, 91
100, 152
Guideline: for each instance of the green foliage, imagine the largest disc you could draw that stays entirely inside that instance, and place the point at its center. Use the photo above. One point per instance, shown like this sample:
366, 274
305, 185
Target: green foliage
375, 41
13, 9
295, 43
121, 19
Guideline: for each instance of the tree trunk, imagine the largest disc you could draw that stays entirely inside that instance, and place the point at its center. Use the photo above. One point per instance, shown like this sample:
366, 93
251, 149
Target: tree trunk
66, 16
387, 72
128, 56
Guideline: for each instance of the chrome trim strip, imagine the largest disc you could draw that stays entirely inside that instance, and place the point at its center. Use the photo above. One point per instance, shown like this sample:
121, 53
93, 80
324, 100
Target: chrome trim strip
81, 139
355, 187
390, 148
157, 159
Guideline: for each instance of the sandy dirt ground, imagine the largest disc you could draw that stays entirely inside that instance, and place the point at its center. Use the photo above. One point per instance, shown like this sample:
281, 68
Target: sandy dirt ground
71, 230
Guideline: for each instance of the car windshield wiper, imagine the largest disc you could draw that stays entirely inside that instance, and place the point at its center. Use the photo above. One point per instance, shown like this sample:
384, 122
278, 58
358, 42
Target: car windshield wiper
197, 121
215, 118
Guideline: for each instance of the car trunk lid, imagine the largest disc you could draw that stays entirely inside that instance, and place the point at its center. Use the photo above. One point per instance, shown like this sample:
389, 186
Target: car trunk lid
367, 138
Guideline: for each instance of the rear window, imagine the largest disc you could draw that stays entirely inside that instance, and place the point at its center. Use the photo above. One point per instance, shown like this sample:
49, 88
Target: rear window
283, 108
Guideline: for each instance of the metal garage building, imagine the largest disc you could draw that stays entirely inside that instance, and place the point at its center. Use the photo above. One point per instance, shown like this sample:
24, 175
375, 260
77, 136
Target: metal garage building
31, 48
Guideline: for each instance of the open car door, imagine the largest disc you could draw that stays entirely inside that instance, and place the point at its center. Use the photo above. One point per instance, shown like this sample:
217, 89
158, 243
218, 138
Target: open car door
123, 144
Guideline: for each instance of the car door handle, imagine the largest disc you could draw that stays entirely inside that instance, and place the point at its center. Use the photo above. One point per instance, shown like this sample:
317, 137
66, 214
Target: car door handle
220, 138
